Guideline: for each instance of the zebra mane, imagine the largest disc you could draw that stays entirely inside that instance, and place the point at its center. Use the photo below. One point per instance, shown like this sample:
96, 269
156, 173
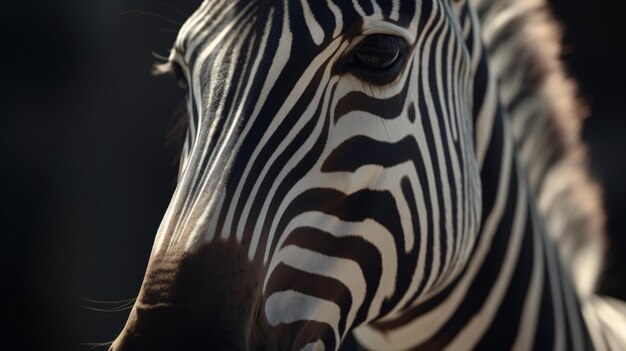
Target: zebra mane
545, 115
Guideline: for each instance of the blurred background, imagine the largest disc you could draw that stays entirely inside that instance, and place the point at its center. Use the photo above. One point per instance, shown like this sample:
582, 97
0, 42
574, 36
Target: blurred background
87, 175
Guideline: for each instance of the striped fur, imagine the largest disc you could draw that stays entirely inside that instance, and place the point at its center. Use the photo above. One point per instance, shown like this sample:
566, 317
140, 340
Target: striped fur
413, 215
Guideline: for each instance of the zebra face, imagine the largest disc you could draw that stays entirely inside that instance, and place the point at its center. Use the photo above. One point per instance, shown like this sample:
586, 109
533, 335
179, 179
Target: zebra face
328, 179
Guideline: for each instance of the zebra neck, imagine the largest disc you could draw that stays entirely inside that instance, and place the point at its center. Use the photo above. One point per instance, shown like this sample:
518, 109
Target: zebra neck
522, 44
514, 292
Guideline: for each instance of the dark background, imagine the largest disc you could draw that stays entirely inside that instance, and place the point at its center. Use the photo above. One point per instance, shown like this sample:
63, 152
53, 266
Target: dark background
86, 174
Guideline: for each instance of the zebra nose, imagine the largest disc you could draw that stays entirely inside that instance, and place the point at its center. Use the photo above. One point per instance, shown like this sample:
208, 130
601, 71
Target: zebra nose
206, 300
173, 327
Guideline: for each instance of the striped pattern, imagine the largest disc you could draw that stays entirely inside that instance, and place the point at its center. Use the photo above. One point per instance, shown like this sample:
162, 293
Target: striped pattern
399, 216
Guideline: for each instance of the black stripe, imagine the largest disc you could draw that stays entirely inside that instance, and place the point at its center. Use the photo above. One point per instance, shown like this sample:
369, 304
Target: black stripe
506, 323
352, 248
285, 278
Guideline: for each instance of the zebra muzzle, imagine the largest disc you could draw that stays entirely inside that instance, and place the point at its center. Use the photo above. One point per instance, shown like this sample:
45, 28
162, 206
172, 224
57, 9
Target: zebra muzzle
209, 297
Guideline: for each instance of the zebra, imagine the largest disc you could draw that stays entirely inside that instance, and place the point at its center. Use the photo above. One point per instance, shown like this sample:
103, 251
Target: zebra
376, 175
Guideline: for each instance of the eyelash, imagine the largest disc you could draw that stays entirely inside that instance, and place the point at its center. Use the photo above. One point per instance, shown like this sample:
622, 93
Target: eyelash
351, 64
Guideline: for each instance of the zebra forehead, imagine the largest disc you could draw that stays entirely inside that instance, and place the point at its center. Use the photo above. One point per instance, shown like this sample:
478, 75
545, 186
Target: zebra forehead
328, 18
362, 7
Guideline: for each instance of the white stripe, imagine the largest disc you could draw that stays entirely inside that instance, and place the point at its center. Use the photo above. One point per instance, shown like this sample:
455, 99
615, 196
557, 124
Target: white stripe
395, 7
192, 178
358, 9
375, 8
315, 346
284, 50
316, 31
287, 106
182, 198
308, 114
434, 121
476, 328
208, 26
426, 326
338, 18
285, 307
555, 289
368, 230
345, 271
530, 314
445, 117
192, 22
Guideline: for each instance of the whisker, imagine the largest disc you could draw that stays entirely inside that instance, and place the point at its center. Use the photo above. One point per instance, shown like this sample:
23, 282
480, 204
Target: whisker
95, 345
105, 306
149, 13
110, 302
160, 57
108, 310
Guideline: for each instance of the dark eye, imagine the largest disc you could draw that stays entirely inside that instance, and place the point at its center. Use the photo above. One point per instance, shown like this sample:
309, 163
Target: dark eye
179, 75
378, 51
379, 58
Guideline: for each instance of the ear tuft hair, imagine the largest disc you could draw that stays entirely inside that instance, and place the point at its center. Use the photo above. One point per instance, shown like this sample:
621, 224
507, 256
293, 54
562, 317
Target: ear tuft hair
159, 69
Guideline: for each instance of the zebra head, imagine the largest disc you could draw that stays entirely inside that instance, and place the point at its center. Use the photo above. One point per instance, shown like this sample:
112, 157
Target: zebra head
329, 178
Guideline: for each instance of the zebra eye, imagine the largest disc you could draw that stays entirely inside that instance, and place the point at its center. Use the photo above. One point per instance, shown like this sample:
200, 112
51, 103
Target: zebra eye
378, 51
179, 75
379, 58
